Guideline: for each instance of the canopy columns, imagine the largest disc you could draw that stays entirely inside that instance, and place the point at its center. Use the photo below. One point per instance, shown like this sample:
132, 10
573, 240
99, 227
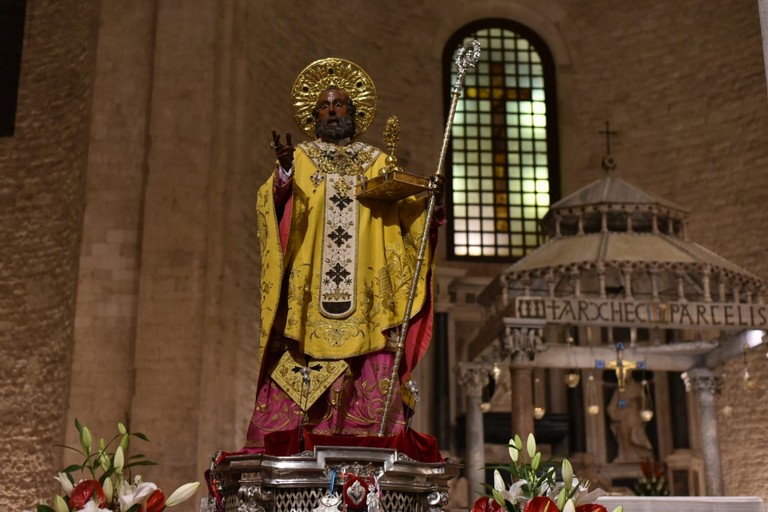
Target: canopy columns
473, 378
703, 384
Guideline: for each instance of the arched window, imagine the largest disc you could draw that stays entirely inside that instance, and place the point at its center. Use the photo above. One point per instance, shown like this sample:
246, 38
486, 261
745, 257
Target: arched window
502, 166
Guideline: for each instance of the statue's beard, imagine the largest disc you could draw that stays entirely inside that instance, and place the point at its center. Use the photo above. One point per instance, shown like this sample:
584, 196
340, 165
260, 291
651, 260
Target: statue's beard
345, 129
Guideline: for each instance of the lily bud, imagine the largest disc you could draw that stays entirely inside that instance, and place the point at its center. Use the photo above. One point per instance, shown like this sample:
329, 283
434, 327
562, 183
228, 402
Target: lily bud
121, 428
620, 508
182, 493
119, 460
561, 498
498, 482
513, 451
531, 445
124, 442
86, 440
59, 505
536, 461
569, 506
104, 461
518, 443
108, 489
567, 474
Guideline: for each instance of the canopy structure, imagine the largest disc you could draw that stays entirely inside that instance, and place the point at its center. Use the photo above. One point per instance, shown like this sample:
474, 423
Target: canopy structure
619, 256
619, 286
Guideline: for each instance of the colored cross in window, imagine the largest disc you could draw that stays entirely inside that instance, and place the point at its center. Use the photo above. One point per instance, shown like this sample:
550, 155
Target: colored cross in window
499, 94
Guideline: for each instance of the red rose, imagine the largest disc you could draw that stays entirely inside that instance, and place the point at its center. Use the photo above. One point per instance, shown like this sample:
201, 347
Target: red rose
540, 504
591, 507
486, 504
155, 502
84, 491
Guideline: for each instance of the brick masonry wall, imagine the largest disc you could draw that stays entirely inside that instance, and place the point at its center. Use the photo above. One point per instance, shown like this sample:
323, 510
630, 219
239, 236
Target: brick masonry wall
186, 95
42, 197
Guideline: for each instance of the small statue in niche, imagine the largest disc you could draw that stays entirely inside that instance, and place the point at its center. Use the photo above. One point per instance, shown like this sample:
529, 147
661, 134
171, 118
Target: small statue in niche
628, 426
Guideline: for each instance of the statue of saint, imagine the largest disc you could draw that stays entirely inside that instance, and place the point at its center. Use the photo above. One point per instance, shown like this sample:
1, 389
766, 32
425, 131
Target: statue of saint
336, 271
628, 426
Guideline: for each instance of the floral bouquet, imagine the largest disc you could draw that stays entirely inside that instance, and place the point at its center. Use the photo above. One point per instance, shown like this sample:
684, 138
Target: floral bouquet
652, 483
114, 489
534, 488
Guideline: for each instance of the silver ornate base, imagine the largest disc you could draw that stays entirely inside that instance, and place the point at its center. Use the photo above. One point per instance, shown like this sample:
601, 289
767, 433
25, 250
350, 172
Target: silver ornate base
302, 483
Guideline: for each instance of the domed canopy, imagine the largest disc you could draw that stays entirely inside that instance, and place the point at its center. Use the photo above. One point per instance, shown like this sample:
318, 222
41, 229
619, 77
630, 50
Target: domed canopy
615, 238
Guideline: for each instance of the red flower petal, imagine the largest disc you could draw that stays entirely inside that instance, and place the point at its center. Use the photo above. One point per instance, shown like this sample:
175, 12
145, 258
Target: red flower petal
591, 507
486, 504
155, 502
540, 504
84, 491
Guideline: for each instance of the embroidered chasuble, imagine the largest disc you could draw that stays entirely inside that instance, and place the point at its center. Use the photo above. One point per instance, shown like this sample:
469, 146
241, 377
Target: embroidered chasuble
344, 279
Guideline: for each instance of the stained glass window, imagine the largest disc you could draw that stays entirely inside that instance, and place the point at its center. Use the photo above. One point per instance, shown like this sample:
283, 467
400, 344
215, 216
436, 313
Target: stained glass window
502, 164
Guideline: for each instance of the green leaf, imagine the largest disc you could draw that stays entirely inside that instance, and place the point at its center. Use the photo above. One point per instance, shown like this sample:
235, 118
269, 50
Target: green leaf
141, 436
134, 508
71, 469
44, 508
140, 463
69, 448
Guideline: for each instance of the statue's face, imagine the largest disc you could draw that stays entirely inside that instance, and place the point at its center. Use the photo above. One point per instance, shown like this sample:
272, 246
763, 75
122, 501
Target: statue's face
333, 118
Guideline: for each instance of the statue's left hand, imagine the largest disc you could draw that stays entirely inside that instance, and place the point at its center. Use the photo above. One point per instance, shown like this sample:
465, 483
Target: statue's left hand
437, 186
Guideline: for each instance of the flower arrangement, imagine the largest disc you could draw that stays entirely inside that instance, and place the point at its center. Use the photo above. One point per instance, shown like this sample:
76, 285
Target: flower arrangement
534, 486
652, 483
106, 483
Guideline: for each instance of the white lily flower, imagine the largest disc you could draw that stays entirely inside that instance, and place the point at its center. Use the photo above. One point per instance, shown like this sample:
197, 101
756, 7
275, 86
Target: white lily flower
582, 496
515, 493
59, 505
183, 493
91, 506
66, 485
131, 495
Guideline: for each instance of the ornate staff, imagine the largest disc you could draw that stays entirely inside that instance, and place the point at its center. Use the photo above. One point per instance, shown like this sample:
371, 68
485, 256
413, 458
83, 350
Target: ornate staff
466, 58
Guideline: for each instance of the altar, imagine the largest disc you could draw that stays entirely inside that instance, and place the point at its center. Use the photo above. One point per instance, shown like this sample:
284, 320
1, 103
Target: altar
684, 503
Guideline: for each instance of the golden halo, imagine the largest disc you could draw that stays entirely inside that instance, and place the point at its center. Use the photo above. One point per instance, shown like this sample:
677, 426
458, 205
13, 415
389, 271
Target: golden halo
333, 72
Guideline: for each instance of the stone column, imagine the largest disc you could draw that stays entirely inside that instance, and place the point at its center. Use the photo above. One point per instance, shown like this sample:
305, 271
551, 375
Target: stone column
704, 385
522, 402
42, 199
473, 378
763, 5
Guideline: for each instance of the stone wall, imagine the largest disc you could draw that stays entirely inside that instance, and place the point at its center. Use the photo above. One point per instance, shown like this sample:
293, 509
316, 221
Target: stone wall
186, 94
42, 196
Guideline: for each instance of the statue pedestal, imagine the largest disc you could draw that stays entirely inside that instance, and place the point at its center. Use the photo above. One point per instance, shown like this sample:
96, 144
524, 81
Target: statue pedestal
267, 483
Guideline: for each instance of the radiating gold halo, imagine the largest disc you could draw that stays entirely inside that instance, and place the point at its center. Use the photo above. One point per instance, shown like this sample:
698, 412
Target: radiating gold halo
333, 72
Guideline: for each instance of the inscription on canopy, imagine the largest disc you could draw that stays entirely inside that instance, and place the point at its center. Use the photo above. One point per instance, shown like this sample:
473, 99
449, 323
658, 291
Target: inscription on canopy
633, 313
